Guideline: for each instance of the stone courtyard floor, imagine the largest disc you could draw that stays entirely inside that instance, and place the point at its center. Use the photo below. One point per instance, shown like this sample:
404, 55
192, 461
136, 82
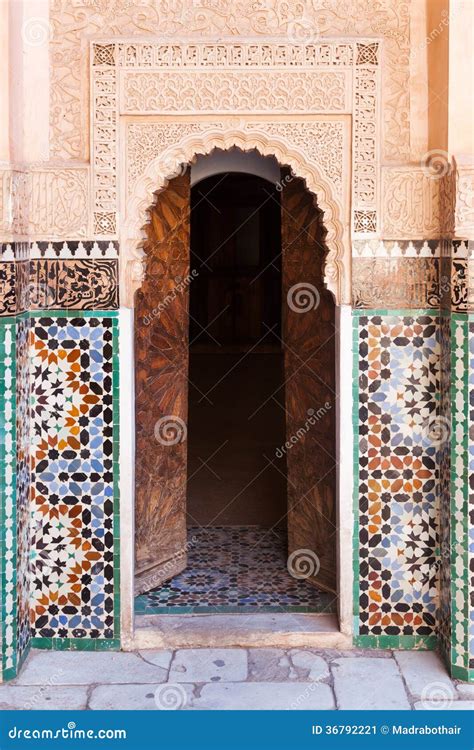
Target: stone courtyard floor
234, 678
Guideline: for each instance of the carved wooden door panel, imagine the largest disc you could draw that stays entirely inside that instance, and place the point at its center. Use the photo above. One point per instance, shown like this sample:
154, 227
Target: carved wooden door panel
309, 346
161, 370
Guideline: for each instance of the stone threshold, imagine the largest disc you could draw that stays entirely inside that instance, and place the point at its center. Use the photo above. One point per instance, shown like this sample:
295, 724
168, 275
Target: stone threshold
282, 630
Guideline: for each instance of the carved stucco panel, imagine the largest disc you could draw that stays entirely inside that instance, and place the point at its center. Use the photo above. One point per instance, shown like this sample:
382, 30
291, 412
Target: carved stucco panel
305, 21
278, 75
247, 136
49, 203
326, 143
465, 202
250, 92
411, 204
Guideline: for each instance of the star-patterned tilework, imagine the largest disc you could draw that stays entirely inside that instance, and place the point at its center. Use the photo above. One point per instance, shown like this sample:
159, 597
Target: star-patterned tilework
397, 428
74, 478
235, 569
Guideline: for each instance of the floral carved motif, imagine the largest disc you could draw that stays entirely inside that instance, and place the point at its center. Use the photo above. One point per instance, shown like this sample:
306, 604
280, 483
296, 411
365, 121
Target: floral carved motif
246, 136
252, 92
307, 22
145, 78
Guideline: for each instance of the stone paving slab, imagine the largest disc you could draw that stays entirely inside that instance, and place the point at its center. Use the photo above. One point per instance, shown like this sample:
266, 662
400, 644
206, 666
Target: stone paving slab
440, 706
369, 684
261, 696
465, 691
425, 675
42, 698
235, 678
209, 665
164, 697
158, 657
87, 668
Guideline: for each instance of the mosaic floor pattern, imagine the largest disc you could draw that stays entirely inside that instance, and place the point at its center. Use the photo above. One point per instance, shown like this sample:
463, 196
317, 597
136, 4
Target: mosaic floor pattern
235, 569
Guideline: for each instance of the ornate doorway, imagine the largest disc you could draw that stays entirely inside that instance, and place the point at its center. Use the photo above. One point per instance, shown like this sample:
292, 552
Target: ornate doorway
162, 356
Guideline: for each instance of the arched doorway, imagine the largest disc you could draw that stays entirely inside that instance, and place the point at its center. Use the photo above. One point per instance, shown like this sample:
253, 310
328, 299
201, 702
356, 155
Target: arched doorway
306, 337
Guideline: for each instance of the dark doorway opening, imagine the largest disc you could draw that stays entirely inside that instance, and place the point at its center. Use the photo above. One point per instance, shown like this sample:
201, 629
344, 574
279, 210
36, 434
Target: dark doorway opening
237, 493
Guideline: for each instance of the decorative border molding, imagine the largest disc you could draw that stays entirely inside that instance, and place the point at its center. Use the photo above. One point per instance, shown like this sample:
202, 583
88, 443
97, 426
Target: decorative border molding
149, 78
58, 284
396, 282
134, 76
169, 163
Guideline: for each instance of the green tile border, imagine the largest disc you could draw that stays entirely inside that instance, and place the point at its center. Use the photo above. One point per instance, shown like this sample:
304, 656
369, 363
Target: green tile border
397, 642
459, 491
8, 617
76, 644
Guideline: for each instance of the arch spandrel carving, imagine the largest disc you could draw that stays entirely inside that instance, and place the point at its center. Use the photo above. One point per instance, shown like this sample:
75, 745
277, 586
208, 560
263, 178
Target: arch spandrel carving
169, 163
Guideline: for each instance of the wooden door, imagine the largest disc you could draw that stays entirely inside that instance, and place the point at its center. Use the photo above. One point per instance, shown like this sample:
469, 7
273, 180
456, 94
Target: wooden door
161, 370
309, 347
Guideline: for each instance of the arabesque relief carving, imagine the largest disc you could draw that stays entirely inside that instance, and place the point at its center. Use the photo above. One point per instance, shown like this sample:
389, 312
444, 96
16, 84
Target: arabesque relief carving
415, 204
247, 136
254, 92
45, 202
241, 79
308, 21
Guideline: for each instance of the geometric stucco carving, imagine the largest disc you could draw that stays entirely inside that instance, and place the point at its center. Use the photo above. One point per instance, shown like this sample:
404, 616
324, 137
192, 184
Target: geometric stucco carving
246, 136
202, 20
235, 79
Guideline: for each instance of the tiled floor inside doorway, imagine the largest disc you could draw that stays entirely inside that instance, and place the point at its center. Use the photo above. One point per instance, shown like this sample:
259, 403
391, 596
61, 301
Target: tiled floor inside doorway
235, 569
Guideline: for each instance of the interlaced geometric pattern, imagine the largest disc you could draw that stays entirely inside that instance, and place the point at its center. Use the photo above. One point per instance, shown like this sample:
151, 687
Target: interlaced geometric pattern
397, 423
74, 477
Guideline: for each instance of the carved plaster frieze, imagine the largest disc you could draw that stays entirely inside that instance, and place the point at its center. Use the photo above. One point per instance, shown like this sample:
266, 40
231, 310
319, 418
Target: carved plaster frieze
412, 203
149, 78
464, 211
251, 92
50, 203
252, 24
246, 136
326, 142
395, 282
